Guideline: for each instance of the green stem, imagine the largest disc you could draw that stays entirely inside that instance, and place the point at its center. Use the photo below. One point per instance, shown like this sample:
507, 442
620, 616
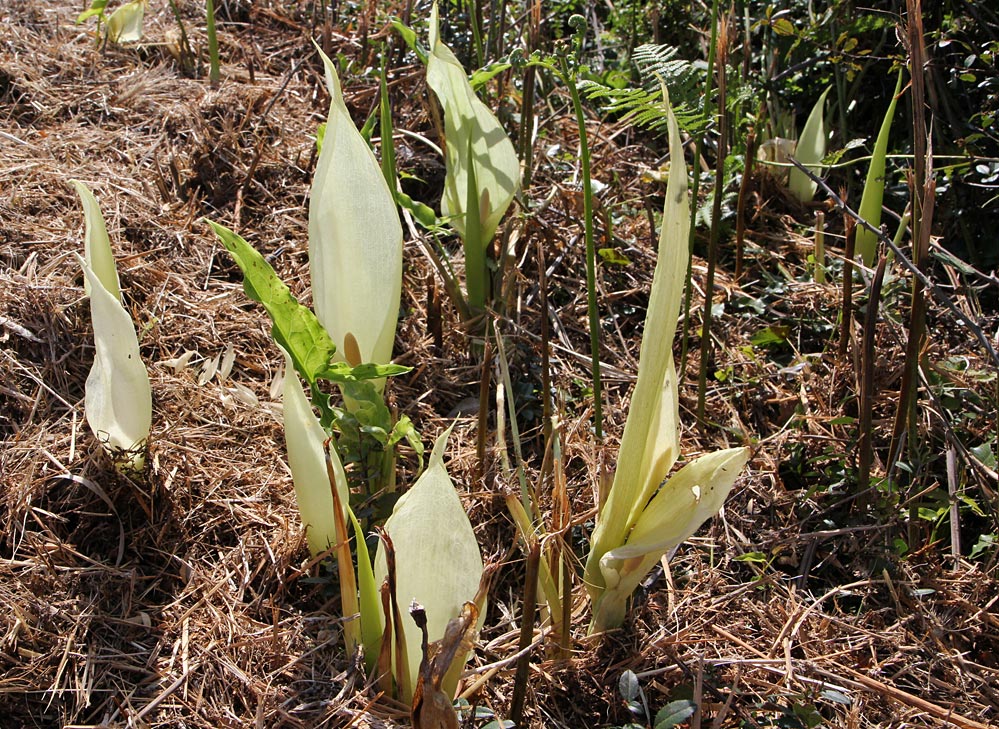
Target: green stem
591, 264
709, 284
213, 43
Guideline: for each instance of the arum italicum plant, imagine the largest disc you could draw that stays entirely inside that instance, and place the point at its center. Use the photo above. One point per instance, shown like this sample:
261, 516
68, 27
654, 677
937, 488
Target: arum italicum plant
118, 403
434, 553
356, 251
483, 171
646, 514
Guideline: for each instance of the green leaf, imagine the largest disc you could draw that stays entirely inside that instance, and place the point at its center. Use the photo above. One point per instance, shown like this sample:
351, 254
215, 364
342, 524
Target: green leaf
409, 36
612, 255
341, 372
783, 26
405, 430
320, 136
769, 336
986, 454
874, 187
484, 75
984, 544
96, 8
753, 557
674, 713
295, 328
372, 618
424, 214
628, 686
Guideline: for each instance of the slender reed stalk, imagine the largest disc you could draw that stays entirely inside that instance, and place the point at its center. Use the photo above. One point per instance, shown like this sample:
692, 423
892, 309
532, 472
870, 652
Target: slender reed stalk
922, 192
740, 220
866, 444
696, 183
591, 265
709, 284
819, 255
213, 44
526, 632
482, 431
525, 141
847, 313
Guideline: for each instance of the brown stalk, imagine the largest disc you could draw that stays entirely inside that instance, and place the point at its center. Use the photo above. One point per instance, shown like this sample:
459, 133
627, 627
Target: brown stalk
740, 218
845, 320
866, 446
344, 564
482, 430
922, 191
525, 141
709, 284
526, 632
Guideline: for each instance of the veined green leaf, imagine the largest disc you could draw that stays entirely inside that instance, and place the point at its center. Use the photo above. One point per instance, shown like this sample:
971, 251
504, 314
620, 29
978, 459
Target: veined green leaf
688, 499
355, 238
96, 8
650, 444
118, 403
97, 247
874, 187
295, 328
437, 556
470, 125
810, 151
305, 437
125, 23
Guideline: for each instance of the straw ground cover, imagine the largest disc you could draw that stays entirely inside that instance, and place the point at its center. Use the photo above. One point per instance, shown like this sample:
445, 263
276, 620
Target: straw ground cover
188, 598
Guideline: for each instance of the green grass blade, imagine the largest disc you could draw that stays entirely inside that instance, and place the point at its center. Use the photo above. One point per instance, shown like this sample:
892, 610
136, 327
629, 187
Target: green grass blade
874, 188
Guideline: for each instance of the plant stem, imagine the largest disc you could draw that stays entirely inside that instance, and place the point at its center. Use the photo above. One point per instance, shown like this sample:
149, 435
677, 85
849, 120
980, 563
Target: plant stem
696, 184
591, 265
922, 217
847, 313
866, 441
709, 284
526, 632
213, 44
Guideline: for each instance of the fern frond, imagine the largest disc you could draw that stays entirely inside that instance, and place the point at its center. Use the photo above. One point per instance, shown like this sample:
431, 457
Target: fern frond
642, 105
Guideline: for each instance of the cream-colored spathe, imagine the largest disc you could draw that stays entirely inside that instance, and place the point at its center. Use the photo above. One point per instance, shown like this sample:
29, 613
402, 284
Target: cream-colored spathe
118, 403
437, 557
355, 238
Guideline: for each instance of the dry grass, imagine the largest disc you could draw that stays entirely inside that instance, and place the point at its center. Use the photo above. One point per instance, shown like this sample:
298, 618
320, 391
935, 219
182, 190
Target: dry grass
186, 598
